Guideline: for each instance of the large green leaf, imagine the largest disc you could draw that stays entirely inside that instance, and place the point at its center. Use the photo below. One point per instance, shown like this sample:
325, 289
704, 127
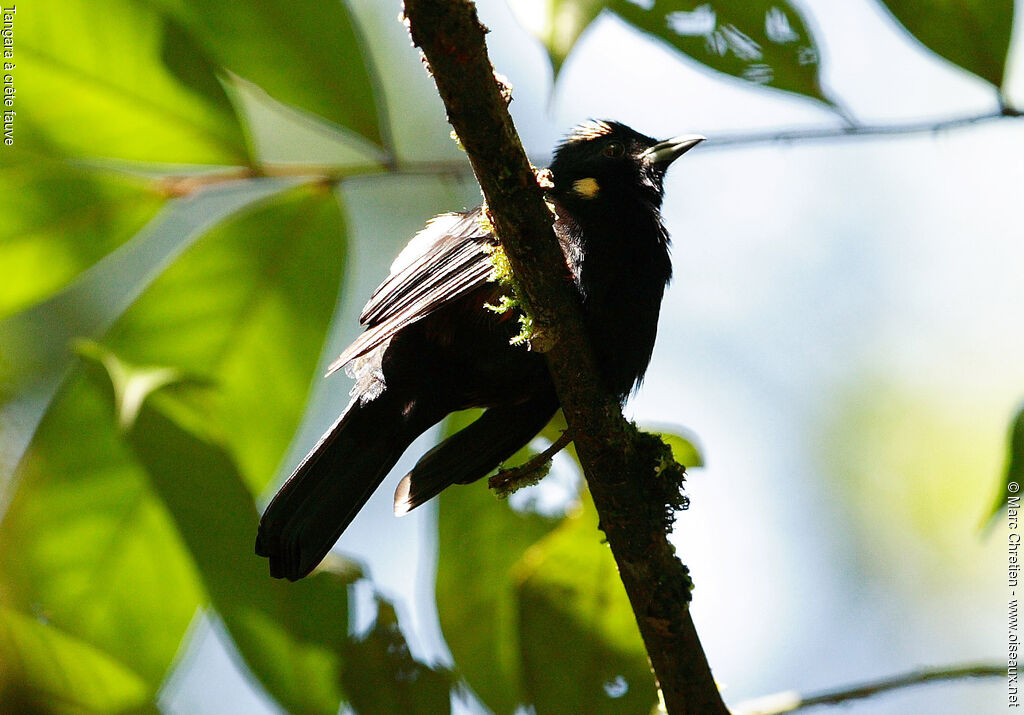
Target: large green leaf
92, 78
480, 539
35, 344
57, 219
309, 54
292, 636
45, 670
247, 307
974, 34
579, 645
250, 301
87, 546
765, 42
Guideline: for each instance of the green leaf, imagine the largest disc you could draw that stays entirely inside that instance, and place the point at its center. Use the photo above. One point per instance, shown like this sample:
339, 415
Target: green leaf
91, 77
293, 636
310, 54
35, 344
57, 219
580, 648
382, 677
247, 308
560, 25
476, 594
683, 443
974, 34
765, 42
87, 546
43, 669
1013, 477
251, 301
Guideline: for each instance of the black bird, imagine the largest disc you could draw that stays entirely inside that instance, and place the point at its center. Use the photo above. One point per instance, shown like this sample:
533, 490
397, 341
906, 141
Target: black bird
431, 347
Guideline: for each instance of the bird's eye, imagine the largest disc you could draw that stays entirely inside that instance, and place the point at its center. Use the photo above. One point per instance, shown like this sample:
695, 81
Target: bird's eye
613, 150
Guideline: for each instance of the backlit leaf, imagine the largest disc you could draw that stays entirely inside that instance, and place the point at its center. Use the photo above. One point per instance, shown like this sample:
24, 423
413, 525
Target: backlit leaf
293, 636
764, 42
480, 539
250, 300
974, 34
579, 645
45, 670
309, 55
57, 219
91, 77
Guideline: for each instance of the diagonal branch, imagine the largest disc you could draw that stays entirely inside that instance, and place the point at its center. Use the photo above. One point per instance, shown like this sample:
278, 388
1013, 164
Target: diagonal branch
630, 476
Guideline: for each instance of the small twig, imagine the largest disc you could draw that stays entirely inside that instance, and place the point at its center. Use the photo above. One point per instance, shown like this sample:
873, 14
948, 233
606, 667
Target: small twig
731, 141
507, 481
792, 701
187, 184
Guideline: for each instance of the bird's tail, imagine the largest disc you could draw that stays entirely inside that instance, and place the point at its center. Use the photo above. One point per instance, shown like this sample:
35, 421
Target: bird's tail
333, 482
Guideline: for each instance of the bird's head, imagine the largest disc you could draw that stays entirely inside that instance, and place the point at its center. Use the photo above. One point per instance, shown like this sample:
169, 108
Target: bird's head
607, 163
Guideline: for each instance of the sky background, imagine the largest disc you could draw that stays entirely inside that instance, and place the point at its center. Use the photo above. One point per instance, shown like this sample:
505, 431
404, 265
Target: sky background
843, 335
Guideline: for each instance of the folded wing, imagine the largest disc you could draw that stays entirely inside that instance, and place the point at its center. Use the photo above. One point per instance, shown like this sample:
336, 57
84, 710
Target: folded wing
443, 262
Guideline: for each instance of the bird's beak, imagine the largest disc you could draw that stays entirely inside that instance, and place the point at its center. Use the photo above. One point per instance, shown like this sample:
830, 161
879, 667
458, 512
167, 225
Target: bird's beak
664, 153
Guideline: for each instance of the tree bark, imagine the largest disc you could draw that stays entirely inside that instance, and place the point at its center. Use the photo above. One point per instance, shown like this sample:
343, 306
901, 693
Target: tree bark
635, 484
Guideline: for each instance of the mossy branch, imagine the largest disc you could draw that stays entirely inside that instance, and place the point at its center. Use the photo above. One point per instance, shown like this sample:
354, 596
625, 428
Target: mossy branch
625, 470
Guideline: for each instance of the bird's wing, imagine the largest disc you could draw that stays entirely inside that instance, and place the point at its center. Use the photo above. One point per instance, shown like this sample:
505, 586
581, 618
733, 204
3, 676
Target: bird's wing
444, 261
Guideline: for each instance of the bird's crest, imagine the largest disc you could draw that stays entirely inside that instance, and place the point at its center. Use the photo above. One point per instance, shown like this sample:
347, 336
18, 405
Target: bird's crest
590, 129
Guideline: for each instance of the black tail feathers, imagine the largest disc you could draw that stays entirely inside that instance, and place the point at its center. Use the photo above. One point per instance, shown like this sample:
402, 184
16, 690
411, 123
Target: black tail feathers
474, 451
333, 482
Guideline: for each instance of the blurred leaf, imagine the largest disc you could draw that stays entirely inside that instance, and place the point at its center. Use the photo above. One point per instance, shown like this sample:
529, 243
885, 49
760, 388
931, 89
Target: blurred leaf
974, 34
192, 65
57, 219
763, 42
293, 636
682, 442
43, 669
250, 301
479, 540
92, 78
1014, 474
310, 56
87, 546
248, 308
35, 344
382, 677
580, 648
283, 134
560, 26
909, 470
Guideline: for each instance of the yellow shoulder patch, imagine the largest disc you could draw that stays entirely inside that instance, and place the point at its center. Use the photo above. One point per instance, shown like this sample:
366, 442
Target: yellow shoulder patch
587, 188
